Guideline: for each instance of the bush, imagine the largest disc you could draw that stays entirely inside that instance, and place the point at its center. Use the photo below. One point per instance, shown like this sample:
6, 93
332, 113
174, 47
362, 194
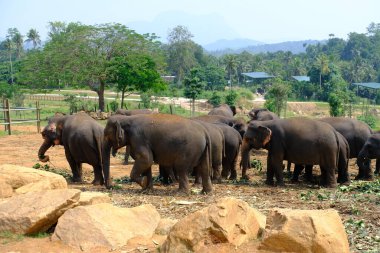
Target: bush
369, 119
145, 100
215, 100
231, 98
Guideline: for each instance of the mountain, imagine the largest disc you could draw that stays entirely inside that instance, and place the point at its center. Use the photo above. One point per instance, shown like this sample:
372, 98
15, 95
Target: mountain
295, 47
231, 44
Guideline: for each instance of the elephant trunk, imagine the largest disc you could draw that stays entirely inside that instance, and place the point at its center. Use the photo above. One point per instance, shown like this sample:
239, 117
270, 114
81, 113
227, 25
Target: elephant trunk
44, 147
245, 149
106, 165
364, 163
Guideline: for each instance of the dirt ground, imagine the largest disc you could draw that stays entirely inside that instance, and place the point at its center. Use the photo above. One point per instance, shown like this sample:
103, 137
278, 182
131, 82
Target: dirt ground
359, 209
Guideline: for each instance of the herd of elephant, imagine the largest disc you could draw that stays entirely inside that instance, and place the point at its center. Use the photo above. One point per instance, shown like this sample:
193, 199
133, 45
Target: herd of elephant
208, 146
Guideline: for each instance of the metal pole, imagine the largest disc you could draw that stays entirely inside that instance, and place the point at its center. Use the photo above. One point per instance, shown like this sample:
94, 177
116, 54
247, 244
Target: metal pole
8, 116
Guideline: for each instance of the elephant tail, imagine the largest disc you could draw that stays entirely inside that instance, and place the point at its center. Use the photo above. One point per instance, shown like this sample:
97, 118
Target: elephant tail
209, 154
338, 151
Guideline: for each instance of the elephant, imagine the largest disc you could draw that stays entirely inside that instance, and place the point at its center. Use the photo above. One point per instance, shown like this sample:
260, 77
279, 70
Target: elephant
223, 110
298, 140
169, 140
217, 147
356, 132
233, 143
370, 150
237, 123
82, 138
262, 114
344, 156
126, 112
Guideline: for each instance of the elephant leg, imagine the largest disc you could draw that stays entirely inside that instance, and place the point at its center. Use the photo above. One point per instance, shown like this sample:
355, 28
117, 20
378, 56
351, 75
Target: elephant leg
164, 175
232, 168
216, 177
343, 177
309, 173
278, 172
127, 153
149, 179
98, 176
298, 168
328, 178
76, 168
140, 167
365, 172
183, 180
225, 171
289, 166
377, 171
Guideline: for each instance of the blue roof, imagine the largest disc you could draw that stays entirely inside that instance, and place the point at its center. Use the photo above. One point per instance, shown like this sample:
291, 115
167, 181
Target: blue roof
302, 78
257, 75
369, 85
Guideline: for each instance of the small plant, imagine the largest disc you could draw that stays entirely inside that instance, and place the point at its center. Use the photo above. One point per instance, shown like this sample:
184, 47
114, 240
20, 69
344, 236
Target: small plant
7, 237
114, 105
46, 167
231, 98
123, 180
306, 195
256, 164
369, 119
216, 99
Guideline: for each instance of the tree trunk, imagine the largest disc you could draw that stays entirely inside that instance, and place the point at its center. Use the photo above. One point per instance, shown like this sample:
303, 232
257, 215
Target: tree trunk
193, 109
100, 92
122, 98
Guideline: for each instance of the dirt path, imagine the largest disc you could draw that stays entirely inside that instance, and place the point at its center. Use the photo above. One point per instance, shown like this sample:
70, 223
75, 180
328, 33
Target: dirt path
360, 210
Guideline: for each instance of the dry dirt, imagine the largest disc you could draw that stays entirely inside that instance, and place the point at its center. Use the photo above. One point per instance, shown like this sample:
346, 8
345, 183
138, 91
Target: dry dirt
360, 211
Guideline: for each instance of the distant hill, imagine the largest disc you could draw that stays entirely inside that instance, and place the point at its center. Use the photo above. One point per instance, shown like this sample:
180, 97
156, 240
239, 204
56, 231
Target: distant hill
295, 47
231, 44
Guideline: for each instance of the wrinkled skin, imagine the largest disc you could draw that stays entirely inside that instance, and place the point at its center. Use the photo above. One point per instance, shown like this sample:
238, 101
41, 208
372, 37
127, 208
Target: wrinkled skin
126, 112
169, 140
298, 140
370, 150
344, 156
223, 110
237, 123
356, 132
262, 114
82, 138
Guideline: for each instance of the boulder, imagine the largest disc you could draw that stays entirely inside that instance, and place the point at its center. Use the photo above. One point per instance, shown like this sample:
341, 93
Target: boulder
6, 190
317, 231
35, 212
87, 227
230, 221
92, 198
165, 225
23, 179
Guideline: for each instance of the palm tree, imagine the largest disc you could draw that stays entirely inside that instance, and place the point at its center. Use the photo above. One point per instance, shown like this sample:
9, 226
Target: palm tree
323, 64
33, 37
9, 47
230, 62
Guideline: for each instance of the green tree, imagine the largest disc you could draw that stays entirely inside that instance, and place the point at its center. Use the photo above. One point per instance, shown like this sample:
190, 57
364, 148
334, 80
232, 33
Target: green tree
230, 63
322, 62
34, 37
193, 87
277, 95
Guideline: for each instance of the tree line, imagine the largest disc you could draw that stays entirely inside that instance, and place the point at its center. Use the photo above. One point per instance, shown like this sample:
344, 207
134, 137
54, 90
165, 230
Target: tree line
112, 55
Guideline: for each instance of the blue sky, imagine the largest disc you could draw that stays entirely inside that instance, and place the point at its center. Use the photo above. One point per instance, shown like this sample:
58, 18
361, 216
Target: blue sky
208, 20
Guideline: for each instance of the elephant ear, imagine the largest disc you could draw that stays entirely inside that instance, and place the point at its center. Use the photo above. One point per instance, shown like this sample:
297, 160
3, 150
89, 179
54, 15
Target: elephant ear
119, 133
266, 133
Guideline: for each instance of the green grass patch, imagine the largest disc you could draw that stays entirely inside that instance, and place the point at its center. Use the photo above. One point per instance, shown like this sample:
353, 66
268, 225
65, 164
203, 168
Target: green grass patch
7, 237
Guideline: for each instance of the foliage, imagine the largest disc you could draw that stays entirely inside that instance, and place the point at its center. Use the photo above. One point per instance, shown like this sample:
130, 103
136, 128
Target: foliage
369, 119
7, 90
256, 164
46, 167
231, 98
216, 99
277, 96
193, 87
145, 99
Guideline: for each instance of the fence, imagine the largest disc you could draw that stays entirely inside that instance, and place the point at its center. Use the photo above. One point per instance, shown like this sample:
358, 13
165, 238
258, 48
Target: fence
7, 121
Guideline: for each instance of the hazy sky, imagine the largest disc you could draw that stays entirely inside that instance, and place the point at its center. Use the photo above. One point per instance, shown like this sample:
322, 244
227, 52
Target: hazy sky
208, 20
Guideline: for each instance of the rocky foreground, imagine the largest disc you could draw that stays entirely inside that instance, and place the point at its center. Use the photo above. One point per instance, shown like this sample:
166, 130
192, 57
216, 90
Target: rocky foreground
34, 201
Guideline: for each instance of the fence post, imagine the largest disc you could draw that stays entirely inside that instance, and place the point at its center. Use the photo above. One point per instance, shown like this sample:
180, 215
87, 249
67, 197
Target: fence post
8, 109
5, 116
38, 116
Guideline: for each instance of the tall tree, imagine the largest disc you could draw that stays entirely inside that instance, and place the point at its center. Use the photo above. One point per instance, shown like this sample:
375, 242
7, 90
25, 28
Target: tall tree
193, 87
34, 37
230, 63
17, 40
322, 62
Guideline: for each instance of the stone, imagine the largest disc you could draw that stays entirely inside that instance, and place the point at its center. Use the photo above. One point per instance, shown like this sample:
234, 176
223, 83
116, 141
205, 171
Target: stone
317, 231
6, 190
165, 225
23, 179
35, 212
92, 198
87, 227
229, 221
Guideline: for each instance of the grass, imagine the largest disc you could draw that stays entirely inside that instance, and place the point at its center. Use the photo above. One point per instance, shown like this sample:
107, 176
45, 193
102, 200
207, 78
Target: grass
7, 237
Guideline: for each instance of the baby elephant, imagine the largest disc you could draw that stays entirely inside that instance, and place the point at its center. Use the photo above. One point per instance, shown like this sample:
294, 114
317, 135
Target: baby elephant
370, 150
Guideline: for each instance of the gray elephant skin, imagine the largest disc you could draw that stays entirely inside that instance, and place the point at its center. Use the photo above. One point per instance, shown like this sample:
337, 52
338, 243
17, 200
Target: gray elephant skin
82, 138
370, 150
169, 140
298, 140
237, 123
262, 114
223, 110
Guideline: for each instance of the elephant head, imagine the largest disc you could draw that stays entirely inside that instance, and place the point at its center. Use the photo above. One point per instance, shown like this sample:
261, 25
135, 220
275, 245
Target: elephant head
370, 150
256, 137
52, 135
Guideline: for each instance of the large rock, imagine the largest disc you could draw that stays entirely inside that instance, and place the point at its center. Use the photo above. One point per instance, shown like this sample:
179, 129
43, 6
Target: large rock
228, 221
35, 212
87, 227
6, 190
165, 226
23, 179
305, 231
92, 198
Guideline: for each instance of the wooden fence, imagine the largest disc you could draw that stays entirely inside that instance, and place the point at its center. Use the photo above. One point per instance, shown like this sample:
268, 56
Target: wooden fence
7, 121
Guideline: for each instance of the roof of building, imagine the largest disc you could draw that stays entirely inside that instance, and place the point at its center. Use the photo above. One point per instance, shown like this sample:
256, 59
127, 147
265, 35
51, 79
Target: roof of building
302, 78
369, 85
257, 75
